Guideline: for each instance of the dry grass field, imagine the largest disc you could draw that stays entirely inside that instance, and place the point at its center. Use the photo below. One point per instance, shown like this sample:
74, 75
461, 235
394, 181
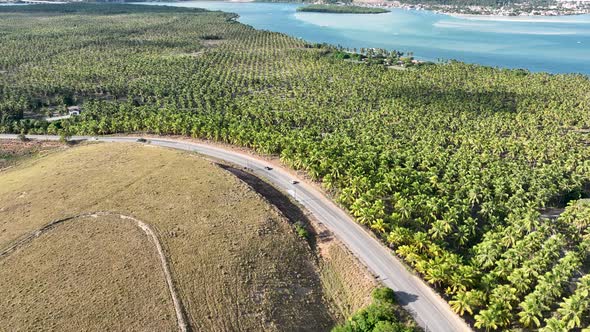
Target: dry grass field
236, 261
345, 282
86, 274
12, 151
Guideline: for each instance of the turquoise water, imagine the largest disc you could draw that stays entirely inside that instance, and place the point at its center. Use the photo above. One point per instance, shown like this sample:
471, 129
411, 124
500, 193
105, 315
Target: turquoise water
554, 44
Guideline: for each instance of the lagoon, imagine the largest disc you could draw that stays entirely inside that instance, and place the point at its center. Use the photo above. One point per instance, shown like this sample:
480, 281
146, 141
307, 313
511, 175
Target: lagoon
558, 44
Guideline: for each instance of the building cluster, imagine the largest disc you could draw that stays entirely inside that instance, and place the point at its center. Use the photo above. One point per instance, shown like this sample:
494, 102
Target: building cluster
561, 7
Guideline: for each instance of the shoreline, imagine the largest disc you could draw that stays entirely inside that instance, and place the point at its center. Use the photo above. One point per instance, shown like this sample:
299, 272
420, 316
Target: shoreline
507, 17
520, 18
566, 8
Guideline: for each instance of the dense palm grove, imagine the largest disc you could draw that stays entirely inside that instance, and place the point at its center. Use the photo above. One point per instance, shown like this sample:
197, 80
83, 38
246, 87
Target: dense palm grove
452, 165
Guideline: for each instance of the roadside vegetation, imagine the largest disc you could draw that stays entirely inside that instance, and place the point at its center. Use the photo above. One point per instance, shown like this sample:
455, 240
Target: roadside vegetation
236, 262
341, 9
451, 165
379, 316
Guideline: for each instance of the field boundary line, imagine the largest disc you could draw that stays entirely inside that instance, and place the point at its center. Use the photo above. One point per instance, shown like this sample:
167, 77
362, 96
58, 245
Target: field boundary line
178, 307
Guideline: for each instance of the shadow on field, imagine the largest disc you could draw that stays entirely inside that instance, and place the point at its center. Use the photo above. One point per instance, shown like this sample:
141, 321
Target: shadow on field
277, 198
308, 287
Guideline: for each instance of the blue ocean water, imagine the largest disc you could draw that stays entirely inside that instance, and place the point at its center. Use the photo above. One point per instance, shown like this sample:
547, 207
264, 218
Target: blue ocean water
558, 44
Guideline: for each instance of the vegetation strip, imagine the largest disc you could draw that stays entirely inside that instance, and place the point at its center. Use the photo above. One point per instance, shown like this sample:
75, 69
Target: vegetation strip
178, 307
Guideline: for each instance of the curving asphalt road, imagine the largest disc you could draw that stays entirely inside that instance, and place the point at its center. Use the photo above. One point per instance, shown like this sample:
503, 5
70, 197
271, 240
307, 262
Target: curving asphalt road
428, 308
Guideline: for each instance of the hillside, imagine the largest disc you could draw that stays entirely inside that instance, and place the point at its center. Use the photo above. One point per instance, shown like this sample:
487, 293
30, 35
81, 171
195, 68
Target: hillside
235, 261
451, 165
92, 273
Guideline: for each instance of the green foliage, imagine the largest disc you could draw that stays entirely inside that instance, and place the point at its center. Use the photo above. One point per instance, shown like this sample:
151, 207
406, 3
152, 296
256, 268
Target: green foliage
374, 56
378, 316
94, 9
22, 137
340, 9
301, 230
578, 214
383, 295
574, 310
64, 136
449, 163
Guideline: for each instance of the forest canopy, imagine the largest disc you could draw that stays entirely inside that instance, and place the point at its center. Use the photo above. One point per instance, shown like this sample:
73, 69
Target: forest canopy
454, 166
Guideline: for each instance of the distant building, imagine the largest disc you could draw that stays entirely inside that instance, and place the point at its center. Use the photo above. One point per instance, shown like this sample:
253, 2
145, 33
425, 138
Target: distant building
74, 110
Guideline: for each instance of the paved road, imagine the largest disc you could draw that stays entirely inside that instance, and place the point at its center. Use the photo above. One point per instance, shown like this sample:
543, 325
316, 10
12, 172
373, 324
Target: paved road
55, 118
429, 310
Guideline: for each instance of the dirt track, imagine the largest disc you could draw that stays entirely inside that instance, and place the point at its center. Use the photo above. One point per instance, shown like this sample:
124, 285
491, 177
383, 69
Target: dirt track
178, 307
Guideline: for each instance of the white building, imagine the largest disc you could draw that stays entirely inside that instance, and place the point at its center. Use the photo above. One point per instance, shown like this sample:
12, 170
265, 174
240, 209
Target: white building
74, 110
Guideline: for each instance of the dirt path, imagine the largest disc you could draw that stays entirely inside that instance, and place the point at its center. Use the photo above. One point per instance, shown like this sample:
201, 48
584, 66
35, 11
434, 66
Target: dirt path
178, 307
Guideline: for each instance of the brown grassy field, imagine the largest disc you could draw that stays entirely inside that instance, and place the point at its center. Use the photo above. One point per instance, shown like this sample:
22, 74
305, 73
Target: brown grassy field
236, 261
345, 282
13, 151
89, 273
